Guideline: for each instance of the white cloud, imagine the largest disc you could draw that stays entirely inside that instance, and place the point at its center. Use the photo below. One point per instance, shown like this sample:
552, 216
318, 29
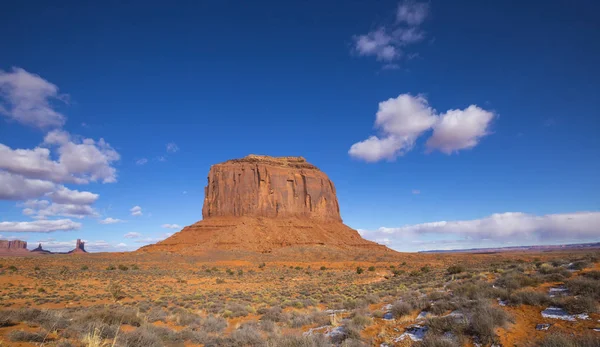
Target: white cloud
80, 160
141, 161
110, 220
26, 98
460, 129
43, 211
497, 228
132, 235
121, 245
403, 119
412, 12
388, 42
171, 226
86, 158
40, 226
64, 195
136, 211
16, 187
416, 191
172, 147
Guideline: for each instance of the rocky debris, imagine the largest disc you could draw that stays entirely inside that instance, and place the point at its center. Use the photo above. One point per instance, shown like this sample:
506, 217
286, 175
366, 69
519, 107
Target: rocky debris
79, 247
542, 326
559, 313
270, 205
14, 245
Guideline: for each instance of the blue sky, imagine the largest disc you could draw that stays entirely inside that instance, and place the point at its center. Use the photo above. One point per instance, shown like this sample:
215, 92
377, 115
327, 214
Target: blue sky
485, 115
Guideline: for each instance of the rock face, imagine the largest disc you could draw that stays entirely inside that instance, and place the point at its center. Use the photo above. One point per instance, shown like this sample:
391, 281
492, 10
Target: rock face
262, 186
265, 204
39, 249
79, 247
14, 245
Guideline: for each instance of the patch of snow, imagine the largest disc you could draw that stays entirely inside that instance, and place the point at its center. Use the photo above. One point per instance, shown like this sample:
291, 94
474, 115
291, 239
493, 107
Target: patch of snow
559, 313
557, 291
502, 302
543, 326
414, 332
388, 316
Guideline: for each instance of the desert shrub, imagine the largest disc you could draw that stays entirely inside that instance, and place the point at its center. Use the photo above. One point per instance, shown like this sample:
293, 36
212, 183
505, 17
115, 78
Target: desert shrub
512, 281
437, 341
245, 336
359, 270
595, 275
585, 287
64, 343
47, 319
115, 290
298, 320
442, 325
236, 310
110, 315
274, 314
474, 290
12, 268
84, 268
26, 336
400, 309
213, 324
529, 297
267, 326
298, 341
186, 318
455, 269
110, 267
398, 272
564, 340
579, 265
441, 306
156, 314
123, 267
6, 322
323, 268
484, 320
220, 281
140, 337
361, 320
580, 304
371, 268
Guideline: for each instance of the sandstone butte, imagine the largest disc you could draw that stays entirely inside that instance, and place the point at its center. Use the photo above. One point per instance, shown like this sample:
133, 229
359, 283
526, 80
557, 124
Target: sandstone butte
266, 204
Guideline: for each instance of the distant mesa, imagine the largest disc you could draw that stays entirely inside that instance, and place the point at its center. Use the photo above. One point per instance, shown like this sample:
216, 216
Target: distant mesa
13, 247
264, 204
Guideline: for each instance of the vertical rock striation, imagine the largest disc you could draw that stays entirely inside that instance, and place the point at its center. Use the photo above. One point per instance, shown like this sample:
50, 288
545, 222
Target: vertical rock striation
263, 186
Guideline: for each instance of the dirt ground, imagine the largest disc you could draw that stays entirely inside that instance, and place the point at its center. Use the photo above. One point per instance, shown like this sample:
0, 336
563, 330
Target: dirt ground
173, 299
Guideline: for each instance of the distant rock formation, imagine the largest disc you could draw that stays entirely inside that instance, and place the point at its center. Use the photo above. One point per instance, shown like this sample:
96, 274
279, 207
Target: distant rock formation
79, 247
13, 248
39, 249
265, 204
14, 245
